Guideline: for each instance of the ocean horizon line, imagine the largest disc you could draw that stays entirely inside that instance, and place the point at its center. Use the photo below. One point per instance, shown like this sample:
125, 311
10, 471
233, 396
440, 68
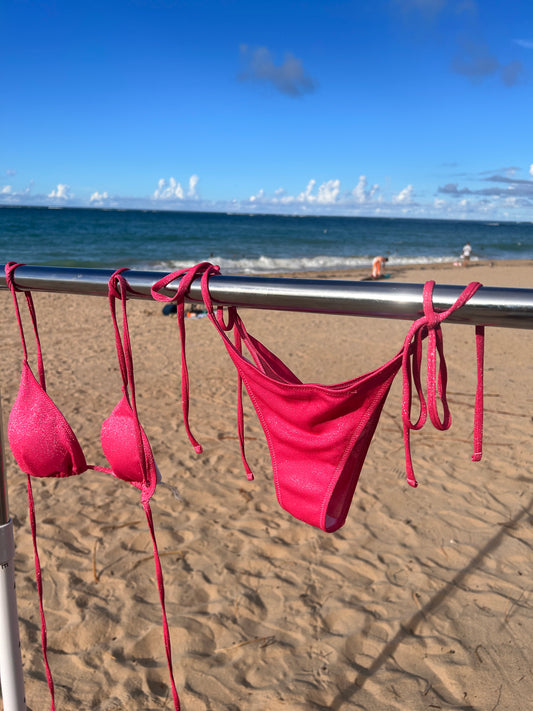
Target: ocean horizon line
244, 213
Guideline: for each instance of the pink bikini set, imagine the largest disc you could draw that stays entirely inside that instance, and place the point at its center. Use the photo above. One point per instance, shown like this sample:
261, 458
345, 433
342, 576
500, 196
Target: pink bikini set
318, 435
44, 444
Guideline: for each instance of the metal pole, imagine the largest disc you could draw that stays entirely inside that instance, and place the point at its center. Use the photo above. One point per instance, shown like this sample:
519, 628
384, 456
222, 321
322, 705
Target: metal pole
11, 674
490, 306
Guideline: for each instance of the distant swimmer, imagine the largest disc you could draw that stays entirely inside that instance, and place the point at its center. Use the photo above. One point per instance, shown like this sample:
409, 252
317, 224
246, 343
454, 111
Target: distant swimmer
465, 254
377, 266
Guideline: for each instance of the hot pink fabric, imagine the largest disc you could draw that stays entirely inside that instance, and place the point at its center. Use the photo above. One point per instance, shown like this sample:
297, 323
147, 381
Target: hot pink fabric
127, 448
437, 377
123, 439
44, 444
186, 276
318, 435
41, 439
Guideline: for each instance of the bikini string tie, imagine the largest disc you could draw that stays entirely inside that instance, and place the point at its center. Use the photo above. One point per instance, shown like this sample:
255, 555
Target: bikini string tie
39, 580
161, 589
10, 269
429, 326
186, 276
234, 323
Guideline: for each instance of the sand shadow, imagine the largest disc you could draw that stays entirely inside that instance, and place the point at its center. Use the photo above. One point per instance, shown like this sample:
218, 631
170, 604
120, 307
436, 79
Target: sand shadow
409, 627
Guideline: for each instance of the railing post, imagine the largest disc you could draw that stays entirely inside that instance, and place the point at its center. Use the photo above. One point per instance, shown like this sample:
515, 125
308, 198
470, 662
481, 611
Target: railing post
11, 676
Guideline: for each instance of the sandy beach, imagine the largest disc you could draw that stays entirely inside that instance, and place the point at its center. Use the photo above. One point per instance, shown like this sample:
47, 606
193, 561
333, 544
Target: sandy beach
421, 601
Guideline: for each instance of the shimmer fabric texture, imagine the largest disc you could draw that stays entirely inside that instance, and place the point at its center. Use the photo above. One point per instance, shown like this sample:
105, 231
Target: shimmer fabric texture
318, 435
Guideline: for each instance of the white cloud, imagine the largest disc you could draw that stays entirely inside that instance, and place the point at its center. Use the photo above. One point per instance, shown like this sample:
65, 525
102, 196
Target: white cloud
193, 182
11, 196
495, 192
174, 190
404, 196
258, 197
61, 192
98, 198
306, 195
168, 192
360, 192
327, 193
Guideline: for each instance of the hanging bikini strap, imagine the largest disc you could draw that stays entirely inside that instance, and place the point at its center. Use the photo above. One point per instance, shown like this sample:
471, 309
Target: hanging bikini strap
186, 276
39, 581
236, 325
119, 288
478, 406
429, 326
161, 589
10, 268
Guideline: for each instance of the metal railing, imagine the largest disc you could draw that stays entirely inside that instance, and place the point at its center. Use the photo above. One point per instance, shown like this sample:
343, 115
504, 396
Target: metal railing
490, 306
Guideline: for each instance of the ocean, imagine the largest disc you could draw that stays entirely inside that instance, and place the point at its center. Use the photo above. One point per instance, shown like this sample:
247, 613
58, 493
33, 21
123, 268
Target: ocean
244, 244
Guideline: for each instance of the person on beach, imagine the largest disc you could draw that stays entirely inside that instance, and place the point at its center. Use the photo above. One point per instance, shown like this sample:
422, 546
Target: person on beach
465, 254
377, 267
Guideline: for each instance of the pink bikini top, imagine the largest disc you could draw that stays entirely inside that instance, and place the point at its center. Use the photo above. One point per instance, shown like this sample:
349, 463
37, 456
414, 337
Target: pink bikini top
44, 444
318, 435
41, 439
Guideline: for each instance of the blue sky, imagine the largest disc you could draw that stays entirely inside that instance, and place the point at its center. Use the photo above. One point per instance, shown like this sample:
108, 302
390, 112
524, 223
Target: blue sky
420, 108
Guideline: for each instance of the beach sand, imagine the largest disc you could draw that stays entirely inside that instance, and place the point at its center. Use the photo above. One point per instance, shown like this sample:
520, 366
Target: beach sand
421, 601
